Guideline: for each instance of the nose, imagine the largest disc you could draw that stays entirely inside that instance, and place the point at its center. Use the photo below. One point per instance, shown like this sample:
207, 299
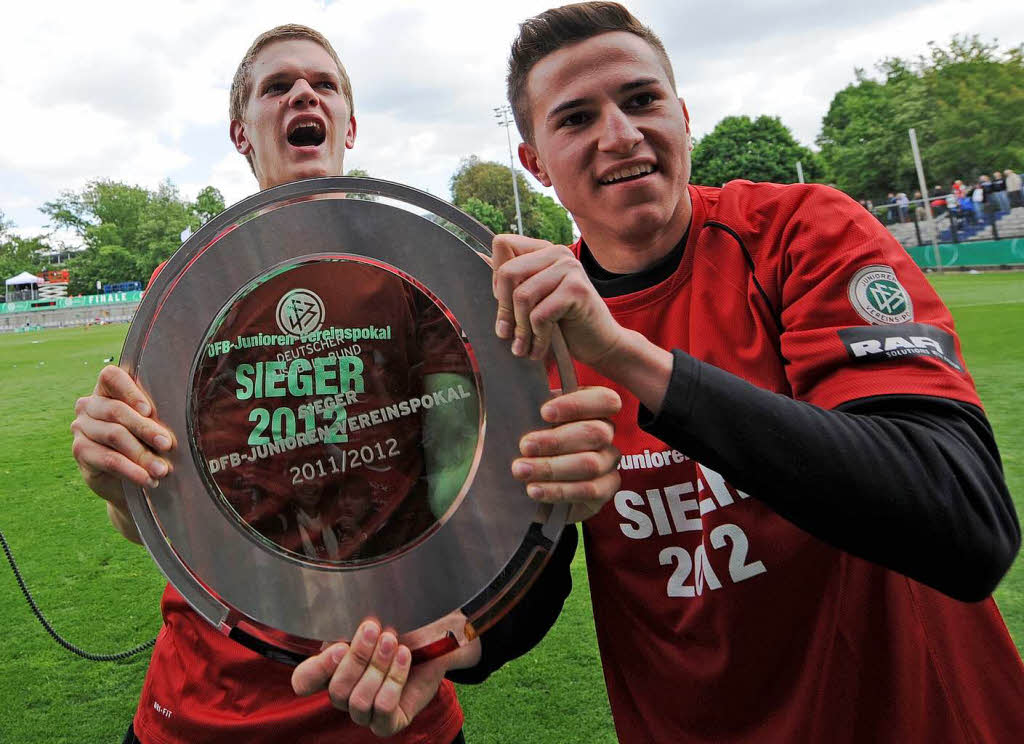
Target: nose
618, 134
302, 94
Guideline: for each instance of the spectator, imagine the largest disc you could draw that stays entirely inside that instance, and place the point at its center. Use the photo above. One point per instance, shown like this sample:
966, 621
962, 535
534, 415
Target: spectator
903, 205
890, 213
978, 197
1014, 187
938, 200
999, 191
990, 203
965, 206
877, 214
951, 201
920, 213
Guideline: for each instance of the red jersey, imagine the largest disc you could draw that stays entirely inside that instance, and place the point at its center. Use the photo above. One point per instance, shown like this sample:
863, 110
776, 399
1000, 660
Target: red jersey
203, 686
719, 620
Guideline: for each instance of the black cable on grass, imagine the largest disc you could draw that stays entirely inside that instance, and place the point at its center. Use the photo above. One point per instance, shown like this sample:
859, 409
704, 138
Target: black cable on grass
49, 628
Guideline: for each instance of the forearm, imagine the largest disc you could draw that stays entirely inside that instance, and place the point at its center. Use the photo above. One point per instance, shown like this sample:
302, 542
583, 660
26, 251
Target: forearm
640, 366
122, 520
919, 490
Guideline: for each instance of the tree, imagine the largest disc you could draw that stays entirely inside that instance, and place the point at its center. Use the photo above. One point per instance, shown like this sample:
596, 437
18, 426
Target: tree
490, 185
208, 204
127, 230
19, 254
865, 151
762, 149
965, 103
547, 220
486, 213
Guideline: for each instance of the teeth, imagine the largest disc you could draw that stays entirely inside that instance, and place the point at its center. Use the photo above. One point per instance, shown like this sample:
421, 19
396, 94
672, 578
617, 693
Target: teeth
635, 170
306, 125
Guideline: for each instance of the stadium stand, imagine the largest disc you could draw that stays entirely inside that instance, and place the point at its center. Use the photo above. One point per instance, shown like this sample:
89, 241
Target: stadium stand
1007, 225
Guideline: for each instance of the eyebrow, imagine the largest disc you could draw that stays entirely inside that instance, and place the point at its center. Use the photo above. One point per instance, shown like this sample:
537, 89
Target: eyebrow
290, 72
577, 102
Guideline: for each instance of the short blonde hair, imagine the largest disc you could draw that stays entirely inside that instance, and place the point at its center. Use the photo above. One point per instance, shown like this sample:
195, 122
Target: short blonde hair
241, 85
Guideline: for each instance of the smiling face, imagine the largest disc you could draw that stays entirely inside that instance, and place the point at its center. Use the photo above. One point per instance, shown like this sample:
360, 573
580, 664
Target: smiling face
613, 139
296, 122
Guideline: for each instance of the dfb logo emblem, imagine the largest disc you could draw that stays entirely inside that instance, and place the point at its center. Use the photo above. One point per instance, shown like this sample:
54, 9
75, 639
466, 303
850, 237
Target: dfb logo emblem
300, 312
879, 298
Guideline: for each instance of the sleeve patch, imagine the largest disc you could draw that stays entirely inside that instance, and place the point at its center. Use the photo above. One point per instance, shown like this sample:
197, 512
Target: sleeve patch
897, 342
878, 297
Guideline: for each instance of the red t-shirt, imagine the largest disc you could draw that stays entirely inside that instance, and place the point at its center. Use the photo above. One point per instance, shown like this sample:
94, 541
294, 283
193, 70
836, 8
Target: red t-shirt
203, 686
717, 619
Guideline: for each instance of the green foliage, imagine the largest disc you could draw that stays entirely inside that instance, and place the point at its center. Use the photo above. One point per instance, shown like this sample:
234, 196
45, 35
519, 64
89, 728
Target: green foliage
208, 204
22, 254
490, 184
966, 103
548, 220
762, 149
485, 213
19, 254
127, 230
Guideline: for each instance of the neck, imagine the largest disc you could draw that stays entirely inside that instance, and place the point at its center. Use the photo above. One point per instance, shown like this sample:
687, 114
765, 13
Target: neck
631, 252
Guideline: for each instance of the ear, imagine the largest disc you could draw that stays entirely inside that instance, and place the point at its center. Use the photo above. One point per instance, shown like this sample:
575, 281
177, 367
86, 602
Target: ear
350, 134
530, 159
239, 138
686, 116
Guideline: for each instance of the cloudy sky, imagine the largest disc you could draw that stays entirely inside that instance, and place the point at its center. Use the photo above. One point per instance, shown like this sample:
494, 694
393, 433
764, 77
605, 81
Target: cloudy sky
137, 91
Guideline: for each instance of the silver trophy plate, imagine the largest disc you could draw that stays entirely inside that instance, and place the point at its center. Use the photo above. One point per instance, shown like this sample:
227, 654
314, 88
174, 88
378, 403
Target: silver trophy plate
346, 417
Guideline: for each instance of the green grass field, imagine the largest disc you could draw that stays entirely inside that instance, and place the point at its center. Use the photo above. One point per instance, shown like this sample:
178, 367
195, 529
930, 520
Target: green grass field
102, 593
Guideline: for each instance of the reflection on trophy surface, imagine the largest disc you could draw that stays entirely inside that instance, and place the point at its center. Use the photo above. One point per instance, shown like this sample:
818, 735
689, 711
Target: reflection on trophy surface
355, 448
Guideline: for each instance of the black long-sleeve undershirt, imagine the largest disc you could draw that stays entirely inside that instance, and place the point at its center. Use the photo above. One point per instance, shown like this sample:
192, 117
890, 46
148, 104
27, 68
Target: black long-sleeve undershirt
911, 482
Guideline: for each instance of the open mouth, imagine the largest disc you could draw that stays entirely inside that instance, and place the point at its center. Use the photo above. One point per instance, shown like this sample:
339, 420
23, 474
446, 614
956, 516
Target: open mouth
631, 173
306, 134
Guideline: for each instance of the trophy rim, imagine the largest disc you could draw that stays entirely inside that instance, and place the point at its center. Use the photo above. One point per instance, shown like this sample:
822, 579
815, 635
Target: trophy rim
334, 596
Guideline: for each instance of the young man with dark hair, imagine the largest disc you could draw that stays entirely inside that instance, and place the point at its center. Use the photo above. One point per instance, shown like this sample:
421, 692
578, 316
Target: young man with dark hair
813, 513
292, 118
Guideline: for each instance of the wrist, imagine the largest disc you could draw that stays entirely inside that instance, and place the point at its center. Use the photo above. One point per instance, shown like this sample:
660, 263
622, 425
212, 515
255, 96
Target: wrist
122, 520
465, 656
640, 366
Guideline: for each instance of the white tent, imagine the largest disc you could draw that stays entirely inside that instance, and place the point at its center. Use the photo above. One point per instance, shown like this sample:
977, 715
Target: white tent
21, 280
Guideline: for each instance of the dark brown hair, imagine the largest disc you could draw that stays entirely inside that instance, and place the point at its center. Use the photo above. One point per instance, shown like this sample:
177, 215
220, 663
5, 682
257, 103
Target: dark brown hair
560, 27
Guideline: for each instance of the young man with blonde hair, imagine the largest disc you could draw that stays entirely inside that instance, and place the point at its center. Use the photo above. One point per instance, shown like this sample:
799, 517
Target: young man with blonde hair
292, 118
813, 513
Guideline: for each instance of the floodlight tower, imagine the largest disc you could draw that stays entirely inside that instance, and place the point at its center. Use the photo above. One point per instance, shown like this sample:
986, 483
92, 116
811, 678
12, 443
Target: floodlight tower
504, 116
